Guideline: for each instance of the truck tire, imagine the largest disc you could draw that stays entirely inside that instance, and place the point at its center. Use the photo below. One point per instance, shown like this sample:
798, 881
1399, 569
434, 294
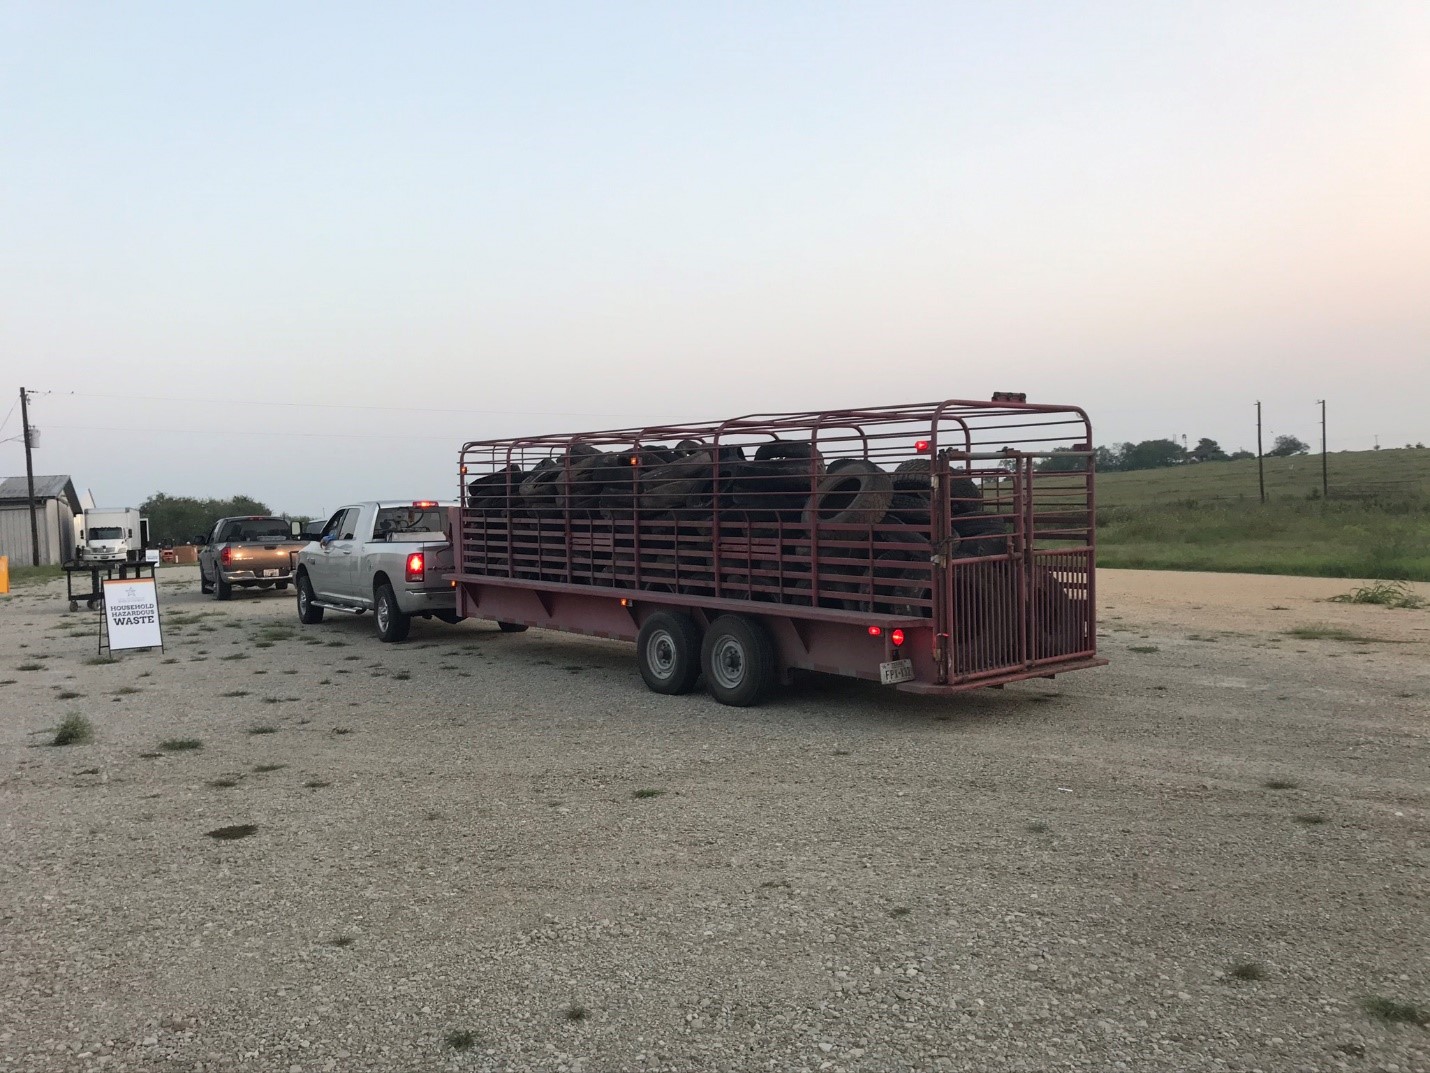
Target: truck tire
392, 622
511, 627
309, 614
668, 653
204, 586
738, 660
222, 589
855, 494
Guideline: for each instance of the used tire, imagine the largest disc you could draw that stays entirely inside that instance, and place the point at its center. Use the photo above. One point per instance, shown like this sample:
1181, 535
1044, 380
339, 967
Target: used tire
309, 614
392, 622
738, 659
914, 475
668, 653
511, 627
857, 494
980, 535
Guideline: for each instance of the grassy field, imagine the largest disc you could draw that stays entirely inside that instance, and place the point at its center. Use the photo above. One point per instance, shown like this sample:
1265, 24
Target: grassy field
1376, 523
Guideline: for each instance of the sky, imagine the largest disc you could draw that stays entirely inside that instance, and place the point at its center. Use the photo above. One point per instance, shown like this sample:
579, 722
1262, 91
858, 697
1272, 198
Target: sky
304, 251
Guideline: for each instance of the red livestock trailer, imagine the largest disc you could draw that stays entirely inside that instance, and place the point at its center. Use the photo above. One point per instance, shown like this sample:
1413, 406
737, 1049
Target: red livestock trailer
935, 547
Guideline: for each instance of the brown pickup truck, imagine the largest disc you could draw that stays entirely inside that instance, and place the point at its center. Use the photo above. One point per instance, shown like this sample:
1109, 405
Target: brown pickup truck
254, 552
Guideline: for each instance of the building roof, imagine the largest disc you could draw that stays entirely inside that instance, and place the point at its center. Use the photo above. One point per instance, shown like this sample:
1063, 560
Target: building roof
58, 486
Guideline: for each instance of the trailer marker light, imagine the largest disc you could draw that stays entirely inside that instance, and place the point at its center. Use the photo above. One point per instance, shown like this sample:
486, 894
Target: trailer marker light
625, 602
921, 446
875, 631
424, 503
464, 469
416, 565
898, 638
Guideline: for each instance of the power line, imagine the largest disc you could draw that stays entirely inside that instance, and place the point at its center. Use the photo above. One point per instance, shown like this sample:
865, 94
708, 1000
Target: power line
249, 433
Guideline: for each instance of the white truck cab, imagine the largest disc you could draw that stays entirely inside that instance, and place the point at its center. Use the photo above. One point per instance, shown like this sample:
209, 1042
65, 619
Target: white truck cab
111, 535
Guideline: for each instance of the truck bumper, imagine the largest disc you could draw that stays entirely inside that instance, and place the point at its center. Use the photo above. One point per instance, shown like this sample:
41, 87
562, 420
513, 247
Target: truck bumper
239, 577
419, 601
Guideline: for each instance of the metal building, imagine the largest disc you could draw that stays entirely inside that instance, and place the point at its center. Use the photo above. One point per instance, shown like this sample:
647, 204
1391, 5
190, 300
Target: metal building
56, 505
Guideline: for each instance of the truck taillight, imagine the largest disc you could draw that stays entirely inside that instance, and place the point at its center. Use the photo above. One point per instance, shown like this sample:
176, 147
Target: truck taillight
416, 566
225, 557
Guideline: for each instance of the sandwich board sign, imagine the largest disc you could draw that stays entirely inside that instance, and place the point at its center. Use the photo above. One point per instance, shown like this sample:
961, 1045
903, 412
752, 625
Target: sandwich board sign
131, 614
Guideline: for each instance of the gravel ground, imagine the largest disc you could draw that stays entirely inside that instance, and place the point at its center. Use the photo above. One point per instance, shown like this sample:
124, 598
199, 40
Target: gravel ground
482, 852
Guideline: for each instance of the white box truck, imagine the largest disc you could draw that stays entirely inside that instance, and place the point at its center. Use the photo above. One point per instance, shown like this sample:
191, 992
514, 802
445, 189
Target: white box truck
111, 535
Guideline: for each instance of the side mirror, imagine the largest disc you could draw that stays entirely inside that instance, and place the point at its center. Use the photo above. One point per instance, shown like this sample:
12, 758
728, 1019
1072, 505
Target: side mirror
296, 528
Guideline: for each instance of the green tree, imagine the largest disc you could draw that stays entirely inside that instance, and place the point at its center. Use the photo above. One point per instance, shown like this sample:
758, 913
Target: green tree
1153, 454
1209, 451
1237, 456
180, 518
1286, 446
1063, 460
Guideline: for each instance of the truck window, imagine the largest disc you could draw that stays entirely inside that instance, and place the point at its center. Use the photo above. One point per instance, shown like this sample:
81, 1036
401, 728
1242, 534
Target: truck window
409, 520
106, 532
267, 529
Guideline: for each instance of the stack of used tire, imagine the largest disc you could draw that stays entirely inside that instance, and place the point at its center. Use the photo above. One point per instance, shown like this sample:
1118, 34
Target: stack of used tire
855, 503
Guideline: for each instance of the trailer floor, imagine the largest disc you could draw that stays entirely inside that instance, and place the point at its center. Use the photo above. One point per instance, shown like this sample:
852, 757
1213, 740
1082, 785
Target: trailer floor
507, 836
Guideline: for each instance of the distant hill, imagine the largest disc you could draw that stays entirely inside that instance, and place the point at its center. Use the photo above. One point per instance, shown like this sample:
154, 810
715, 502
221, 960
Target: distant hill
1384, 476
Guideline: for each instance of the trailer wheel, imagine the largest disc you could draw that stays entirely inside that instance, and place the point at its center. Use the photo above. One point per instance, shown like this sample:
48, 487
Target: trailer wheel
309, 614
668, 653
738, 659
511, 627
392, 622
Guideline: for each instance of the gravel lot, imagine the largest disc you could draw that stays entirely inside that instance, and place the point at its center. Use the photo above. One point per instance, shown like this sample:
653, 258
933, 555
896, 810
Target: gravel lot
508, 837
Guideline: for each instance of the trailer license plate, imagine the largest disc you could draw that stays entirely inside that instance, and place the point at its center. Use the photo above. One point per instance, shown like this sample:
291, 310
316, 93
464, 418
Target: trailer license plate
272, 573
896, 671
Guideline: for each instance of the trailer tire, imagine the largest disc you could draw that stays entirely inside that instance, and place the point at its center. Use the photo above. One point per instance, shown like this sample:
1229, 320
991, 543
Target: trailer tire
738, 659
511, 627
856, 494
392, 622
309, 614
915, 475
668, 653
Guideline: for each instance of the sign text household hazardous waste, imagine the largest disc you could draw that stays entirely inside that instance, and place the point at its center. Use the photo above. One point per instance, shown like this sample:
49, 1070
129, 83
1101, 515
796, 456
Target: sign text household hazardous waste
131, 611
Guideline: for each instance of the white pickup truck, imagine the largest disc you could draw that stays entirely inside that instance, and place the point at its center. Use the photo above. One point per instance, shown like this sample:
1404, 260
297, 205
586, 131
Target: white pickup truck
386, 557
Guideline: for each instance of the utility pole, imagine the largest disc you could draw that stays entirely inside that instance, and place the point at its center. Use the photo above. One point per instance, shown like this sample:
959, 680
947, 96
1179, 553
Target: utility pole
1260, 465
1325, 473
30, 481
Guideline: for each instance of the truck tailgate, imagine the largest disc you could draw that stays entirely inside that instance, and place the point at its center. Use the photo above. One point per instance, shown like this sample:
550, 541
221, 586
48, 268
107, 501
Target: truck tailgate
259, 557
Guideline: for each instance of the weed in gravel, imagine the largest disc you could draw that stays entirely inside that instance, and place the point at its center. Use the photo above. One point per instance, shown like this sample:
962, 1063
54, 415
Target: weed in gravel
841, 752
235, 693
127, 691
342, 940
461, 1039
337, 644
342, 730
1332, 633
1279, 784
74, 729
1393, 1012
325, 681
30, 667
8, 681
775, 884
1246, 970
264, 768
317, 784
234, 655
88, 771
233, 831
1037, 828
226, 782
641, 795
1144, 648
350, 659
272, 700
262, 644
576, 1012
171, 659
574, 669
900, 911
1385, 593
291, 670
1311, 819
67, 694
180, 745
264, 728
401, 676
150, 756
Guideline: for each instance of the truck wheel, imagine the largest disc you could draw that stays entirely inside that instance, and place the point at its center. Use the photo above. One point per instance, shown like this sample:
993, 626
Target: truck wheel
738, 658
668, 653
511, 627
204, 585
392, 623
308, 613
222, 589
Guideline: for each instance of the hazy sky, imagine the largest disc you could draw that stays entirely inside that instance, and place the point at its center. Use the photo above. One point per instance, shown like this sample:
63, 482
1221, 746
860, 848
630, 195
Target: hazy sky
451, 221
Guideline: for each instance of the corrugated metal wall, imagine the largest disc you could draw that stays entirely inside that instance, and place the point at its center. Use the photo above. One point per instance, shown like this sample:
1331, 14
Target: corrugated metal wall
56, 523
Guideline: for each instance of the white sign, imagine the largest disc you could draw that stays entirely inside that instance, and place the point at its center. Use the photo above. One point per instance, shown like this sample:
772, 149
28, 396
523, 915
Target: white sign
131, 612
151, 555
